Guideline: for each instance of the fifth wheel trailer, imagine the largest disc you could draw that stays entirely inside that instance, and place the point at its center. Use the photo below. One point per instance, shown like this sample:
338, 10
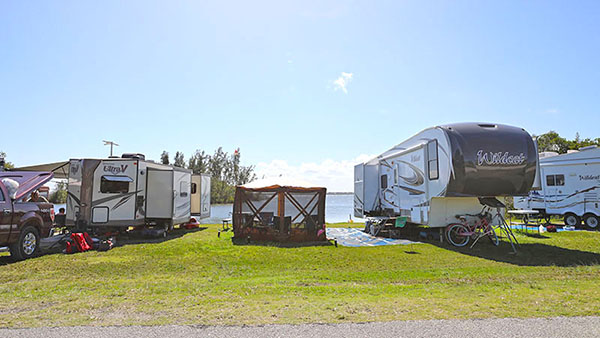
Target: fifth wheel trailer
570, 188
130, 191
442, 171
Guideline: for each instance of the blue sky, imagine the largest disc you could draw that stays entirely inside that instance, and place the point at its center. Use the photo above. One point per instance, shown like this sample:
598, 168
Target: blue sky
183, 75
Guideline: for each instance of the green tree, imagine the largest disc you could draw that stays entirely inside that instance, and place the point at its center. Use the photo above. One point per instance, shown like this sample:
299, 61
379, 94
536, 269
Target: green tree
239, 174
225, 170
164, 157
199, 162
179, 161
7, 165
59, 195
551, 141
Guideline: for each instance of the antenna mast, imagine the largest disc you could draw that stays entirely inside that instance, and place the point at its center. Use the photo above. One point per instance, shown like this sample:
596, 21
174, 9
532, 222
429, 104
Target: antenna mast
111, 146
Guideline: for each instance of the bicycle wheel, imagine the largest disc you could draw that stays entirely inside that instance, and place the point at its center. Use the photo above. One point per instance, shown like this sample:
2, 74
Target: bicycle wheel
493, 236
457, 234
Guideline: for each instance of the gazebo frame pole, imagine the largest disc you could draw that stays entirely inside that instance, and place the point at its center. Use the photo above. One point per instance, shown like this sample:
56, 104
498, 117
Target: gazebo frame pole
281, 208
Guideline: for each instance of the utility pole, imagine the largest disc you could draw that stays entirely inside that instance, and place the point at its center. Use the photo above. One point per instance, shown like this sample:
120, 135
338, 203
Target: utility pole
111, 146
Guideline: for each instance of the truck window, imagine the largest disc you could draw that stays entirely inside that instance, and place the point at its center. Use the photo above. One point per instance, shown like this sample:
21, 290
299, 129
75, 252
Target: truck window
432, 160
114, 184
1, 196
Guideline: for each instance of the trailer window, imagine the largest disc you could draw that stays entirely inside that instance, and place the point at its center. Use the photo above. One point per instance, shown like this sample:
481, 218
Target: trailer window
553, 180
383, 181
1, 196
432, 160
114, 184
183, 189
194, 188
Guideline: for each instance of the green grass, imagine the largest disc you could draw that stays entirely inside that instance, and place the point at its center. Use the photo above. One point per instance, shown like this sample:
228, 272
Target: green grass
198, 278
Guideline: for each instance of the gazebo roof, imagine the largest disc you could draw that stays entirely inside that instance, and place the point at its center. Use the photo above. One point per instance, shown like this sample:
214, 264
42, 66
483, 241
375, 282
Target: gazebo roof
280, 182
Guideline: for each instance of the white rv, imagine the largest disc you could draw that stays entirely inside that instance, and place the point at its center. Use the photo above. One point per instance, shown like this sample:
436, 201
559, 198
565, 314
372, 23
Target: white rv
117, 193
442, 171
570, 188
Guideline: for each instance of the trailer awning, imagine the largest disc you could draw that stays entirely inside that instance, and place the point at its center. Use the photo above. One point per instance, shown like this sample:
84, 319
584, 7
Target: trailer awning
60, 169
113, 178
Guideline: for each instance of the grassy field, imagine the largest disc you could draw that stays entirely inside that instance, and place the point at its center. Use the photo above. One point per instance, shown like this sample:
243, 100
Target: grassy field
196, 277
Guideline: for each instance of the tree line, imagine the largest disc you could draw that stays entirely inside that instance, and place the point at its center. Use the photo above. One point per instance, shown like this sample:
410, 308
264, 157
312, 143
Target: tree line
225, 170
552, 141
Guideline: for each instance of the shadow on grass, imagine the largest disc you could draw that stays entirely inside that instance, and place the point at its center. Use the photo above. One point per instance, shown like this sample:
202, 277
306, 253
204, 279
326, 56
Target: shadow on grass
534, 235
244, 241
132, 239
528, 254
123, 240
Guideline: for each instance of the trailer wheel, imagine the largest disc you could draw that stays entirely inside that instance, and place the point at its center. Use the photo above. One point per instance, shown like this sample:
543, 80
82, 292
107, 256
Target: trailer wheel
572, 220
591, 222
27, 245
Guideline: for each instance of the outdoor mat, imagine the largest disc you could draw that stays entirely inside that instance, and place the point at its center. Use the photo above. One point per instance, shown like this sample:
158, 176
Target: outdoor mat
355, 237
529, 227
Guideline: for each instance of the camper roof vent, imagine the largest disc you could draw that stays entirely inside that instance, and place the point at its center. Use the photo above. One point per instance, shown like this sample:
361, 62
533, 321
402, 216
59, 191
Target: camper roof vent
588, 147
487, 125
137, 156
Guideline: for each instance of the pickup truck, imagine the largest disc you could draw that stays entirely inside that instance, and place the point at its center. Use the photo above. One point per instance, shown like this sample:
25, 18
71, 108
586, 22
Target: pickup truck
23, 223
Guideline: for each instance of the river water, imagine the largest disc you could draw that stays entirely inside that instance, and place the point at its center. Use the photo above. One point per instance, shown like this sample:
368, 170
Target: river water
338, 208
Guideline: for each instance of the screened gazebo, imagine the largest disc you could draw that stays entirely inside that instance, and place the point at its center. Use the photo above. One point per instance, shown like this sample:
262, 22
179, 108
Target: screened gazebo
279, 210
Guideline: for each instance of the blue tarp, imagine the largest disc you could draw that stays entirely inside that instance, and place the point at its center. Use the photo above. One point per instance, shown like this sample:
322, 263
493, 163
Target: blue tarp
355, 237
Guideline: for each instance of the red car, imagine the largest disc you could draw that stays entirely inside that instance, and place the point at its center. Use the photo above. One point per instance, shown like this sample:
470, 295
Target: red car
23, 221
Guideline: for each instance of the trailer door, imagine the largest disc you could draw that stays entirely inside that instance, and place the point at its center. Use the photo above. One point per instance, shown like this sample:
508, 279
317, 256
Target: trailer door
205, 196
359, 194
195, 194
181, 200
159, 194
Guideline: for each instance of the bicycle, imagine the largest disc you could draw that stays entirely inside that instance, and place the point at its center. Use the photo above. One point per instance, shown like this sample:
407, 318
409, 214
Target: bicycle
459, 234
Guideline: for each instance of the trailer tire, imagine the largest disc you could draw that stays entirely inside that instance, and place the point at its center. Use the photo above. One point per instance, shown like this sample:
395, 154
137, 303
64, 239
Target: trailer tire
591, 221
572, 220
27, 245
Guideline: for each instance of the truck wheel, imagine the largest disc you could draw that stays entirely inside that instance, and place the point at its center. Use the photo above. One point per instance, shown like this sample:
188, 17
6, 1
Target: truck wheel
591, 222
27, 245
572, 220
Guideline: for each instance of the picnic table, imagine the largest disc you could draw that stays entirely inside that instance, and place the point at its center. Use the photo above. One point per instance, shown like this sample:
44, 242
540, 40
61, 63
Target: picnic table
226, 222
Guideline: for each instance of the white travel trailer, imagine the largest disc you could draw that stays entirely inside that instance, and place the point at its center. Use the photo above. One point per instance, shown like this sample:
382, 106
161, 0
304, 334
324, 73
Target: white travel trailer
130, 191
442, 171
570, 188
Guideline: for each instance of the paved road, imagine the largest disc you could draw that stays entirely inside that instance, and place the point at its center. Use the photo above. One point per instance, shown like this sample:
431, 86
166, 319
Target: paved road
553, 327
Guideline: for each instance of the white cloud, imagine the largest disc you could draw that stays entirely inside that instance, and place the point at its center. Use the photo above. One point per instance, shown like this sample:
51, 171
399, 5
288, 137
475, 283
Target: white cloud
336, 176
342, 82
